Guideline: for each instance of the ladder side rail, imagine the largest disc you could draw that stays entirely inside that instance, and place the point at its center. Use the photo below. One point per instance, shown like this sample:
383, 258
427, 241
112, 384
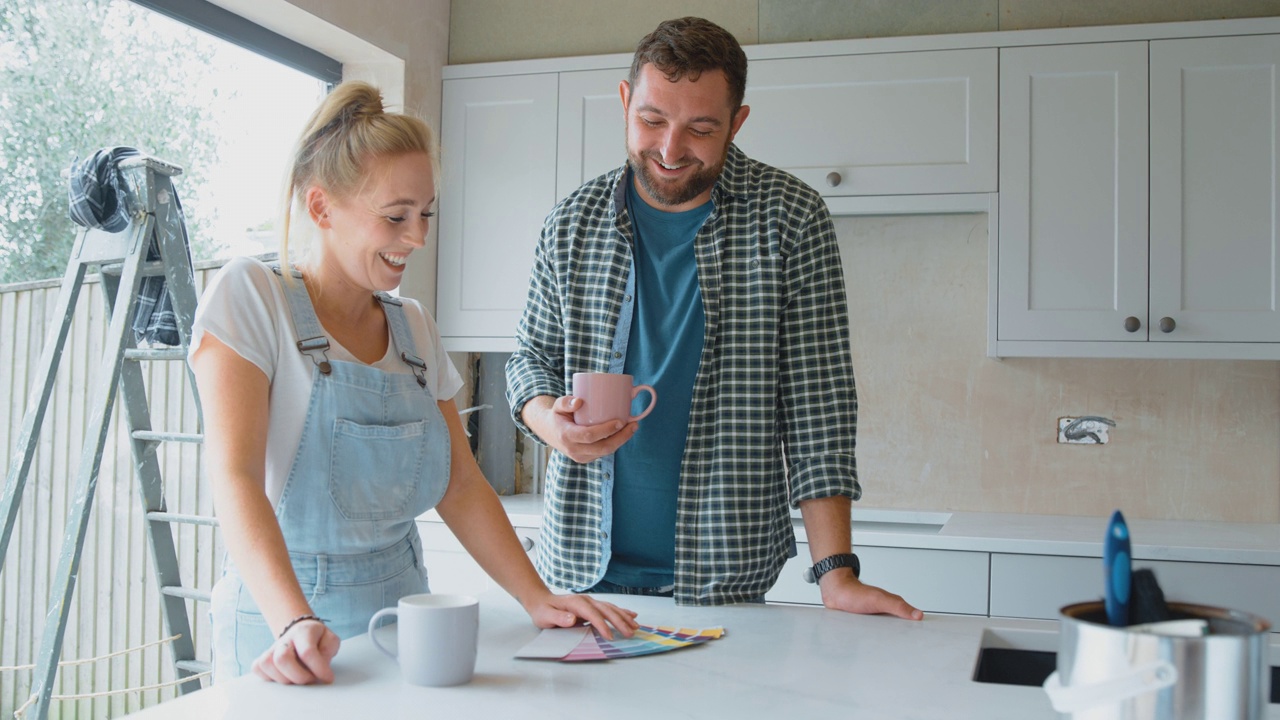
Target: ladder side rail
64, 580
46, 373
181, 289
159, 534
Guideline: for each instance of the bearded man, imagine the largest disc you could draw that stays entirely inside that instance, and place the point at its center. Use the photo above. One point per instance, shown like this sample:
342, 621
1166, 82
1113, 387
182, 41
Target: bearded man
716, 279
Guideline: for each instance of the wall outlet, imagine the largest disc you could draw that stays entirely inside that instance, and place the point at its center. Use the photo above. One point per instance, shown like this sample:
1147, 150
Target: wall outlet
1090, 432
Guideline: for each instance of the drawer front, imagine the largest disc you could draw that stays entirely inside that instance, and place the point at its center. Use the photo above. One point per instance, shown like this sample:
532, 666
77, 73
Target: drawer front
884, 124
933, 580
450, 569
1038, 586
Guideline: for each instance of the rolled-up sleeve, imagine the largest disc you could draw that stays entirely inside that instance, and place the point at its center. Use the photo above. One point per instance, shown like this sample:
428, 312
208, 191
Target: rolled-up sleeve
537, 365
816, 387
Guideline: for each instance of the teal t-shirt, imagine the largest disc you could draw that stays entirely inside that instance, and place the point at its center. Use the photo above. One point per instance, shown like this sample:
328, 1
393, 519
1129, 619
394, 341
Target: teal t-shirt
663, 350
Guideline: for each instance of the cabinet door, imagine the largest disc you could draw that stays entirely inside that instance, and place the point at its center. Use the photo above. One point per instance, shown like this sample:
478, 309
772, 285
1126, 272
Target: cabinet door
1073, 192
592, 127
888, 124
1214, 193
497, 186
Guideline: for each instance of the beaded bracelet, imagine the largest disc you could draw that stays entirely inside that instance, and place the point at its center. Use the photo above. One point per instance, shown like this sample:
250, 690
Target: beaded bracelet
297, 620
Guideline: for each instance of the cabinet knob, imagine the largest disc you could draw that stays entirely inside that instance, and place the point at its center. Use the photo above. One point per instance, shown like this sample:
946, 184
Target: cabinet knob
833, 178
1167, 324
526, 543
1132, 324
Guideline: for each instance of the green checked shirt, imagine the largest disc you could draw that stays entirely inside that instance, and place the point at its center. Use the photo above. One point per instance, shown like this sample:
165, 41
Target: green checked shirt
774, 410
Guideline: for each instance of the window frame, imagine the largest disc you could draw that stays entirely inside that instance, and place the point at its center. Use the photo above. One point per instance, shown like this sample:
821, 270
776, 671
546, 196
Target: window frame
228, 26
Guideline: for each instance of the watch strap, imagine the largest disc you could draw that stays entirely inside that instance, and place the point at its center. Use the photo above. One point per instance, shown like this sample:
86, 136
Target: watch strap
831, 562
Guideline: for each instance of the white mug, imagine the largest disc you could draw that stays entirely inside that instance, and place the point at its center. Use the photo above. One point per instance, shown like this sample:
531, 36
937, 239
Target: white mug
435, 637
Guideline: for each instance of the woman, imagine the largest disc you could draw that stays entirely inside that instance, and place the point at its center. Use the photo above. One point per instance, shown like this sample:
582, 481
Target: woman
328, 423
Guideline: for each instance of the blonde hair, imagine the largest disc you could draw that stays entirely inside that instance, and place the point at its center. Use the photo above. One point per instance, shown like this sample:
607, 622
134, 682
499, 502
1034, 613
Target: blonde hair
348, 130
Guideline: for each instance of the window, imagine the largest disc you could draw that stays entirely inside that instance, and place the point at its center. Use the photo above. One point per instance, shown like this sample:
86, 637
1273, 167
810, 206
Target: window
77, 75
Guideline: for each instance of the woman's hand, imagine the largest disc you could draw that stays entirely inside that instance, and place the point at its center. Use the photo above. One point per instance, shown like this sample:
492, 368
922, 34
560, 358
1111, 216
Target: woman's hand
301, 656
551, 610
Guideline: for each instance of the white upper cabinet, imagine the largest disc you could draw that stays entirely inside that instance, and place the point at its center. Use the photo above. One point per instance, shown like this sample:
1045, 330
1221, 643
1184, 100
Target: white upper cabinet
1073, 192
592, 136
498, 182
1138, 199
883, 124
1215, 105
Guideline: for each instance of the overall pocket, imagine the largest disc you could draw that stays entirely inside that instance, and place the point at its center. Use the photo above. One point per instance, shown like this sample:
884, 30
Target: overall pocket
375, 470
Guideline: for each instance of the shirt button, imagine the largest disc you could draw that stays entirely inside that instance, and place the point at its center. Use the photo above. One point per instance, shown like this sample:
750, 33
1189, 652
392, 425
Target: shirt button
617, 355
627, 298
755, 263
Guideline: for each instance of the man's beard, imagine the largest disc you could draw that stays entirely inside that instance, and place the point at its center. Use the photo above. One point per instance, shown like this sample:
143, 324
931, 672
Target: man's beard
671, 194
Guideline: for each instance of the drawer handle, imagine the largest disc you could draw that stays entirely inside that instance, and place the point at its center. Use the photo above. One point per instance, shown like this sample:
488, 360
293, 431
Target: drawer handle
1167, 324
526, 543
1132, 324
833, 178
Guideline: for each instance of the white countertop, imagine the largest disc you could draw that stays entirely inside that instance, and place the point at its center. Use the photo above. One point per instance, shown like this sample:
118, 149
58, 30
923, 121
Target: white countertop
774, 661
1187, 541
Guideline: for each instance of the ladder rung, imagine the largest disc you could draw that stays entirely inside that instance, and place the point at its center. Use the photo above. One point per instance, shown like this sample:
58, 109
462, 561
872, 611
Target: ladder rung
186, 593
148, 269
153, 436
195, 667
158, 516
176, 353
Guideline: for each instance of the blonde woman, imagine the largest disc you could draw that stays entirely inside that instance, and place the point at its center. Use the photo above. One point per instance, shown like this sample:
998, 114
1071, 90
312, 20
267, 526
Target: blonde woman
329, 423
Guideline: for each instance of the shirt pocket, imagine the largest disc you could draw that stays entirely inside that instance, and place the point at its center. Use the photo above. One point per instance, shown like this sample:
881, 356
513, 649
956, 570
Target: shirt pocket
375, 470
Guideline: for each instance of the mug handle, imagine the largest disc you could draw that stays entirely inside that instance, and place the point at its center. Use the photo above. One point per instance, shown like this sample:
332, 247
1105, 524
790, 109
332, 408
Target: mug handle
373, 624
653, 400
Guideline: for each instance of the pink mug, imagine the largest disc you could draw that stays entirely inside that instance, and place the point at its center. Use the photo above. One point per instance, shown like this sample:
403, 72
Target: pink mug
608, 396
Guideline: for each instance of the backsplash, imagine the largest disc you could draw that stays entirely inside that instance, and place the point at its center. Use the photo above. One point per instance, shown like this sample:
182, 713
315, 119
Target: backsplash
943, 427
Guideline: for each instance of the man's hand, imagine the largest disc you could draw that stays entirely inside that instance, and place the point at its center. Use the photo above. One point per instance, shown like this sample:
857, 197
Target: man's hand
841, 590
552, 420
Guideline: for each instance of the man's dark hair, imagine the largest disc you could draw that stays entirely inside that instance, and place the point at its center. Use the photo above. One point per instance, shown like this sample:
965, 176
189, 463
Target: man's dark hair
689, 47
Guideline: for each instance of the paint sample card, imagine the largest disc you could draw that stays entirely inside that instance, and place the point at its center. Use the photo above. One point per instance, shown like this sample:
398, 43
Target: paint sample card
584, 644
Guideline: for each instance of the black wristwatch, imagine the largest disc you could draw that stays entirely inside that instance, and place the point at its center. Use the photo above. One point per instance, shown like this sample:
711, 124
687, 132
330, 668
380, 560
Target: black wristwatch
827, 564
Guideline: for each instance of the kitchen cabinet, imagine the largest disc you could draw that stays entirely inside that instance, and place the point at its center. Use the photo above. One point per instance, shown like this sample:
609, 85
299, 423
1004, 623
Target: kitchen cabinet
450, 569
1038, 586
498, 180
1137, 199
944, 581
919, 123
877, 124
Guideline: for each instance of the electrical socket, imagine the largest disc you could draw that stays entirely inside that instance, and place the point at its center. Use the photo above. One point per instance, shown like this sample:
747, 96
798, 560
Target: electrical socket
1098, 430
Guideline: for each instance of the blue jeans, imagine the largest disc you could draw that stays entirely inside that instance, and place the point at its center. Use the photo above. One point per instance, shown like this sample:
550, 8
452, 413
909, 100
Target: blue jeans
604, 586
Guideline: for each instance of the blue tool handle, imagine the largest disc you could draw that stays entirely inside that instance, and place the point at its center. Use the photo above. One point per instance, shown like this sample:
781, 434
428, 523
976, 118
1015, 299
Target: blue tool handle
1118, 567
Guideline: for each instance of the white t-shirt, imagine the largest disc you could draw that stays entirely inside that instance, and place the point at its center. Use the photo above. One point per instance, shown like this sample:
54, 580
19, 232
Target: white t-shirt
244, 306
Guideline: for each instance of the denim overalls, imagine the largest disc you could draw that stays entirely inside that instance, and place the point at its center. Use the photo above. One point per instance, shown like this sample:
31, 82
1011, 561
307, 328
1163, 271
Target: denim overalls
374, 455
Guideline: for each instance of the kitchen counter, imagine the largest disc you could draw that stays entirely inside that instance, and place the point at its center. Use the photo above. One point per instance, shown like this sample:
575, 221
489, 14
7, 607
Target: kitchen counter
774, 661
1175, 540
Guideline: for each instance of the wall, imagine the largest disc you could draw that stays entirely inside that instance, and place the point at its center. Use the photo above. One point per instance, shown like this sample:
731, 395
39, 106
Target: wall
942, 427
489, 30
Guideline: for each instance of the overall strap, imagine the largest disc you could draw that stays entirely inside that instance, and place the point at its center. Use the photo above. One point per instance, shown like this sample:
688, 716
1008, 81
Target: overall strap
312, 341
402, 336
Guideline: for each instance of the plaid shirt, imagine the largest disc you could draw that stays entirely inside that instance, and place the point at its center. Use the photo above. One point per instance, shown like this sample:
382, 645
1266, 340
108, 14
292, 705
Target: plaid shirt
775, 376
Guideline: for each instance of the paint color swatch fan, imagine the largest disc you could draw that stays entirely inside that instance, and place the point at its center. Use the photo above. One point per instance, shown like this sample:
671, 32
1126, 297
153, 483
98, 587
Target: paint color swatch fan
578, 644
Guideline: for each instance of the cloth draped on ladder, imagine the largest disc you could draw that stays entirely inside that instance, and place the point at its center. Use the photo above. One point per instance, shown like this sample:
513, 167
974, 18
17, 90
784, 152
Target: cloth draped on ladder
96, 199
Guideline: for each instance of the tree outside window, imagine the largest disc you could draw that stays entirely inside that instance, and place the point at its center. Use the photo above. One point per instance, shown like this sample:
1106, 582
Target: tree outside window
78, 75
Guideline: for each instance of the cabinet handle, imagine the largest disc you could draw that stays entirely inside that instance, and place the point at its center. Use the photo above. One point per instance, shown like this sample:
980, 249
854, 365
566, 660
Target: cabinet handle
1167, 324
526, 543
1132, 324
833, 178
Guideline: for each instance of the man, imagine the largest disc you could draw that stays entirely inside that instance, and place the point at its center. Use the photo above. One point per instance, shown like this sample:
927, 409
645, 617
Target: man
716, 279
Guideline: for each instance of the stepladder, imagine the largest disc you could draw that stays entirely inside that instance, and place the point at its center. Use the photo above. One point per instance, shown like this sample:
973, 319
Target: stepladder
153, 245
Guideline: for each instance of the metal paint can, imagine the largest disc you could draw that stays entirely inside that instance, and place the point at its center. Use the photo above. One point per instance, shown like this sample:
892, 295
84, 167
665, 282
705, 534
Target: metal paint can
1118, 673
